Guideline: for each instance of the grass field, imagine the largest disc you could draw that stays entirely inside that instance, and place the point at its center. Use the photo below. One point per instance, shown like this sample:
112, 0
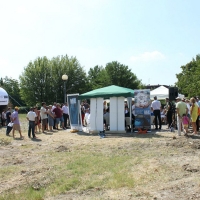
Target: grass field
66, 165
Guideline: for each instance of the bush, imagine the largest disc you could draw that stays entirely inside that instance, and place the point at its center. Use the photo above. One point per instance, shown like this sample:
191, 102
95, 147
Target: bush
24, 110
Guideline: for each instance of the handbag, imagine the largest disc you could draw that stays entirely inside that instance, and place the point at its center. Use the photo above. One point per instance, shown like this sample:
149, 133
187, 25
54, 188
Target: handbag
10, 124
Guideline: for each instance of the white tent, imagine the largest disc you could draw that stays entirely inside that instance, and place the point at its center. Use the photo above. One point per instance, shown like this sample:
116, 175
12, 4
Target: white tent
161, 93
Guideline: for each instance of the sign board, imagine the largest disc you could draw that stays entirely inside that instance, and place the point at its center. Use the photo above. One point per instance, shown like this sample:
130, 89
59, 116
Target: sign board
142, 109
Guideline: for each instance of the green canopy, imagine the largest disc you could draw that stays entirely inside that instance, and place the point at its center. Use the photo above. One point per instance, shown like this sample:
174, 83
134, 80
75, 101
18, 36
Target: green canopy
107, 92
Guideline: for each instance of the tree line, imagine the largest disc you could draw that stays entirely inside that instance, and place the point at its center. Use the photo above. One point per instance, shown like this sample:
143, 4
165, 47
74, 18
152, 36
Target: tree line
41, 80
188, 81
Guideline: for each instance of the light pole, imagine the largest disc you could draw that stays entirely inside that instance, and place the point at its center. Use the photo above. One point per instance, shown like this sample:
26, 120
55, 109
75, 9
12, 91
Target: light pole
64, 78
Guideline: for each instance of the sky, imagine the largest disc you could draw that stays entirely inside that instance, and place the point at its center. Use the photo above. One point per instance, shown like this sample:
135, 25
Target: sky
153, 38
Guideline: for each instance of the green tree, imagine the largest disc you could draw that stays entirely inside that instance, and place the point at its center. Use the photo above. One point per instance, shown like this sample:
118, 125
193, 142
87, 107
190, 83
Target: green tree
188, 80
121, 75
98, 78
42, 79
113, 74
1, 82
35, 81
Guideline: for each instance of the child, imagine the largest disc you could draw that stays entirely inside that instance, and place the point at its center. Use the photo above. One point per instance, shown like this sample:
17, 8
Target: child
185, 121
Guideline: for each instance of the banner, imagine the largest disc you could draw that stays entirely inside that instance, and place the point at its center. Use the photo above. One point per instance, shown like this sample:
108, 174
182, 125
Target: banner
142, 109
74, 111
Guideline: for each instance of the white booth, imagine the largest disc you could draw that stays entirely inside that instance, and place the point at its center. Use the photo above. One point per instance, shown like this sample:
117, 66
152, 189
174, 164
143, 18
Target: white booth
116, 95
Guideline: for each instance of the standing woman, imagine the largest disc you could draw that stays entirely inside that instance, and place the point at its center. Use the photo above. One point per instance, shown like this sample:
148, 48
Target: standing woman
50, 118
38, 120
194, 114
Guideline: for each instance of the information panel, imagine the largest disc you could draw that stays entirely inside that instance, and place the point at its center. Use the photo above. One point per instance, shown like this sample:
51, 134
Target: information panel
74, 111
142, 109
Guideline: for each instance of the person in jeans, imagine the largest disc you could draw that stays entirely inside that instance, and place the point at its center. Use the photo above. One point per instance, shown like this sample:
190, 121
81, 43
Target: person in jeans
155, 107
31, 117
181, 108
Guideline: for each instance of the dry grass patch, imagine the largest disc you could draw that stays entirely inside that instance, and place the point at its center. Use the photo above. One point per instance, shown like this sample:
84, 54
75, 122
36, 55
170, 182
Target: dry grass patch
67, 165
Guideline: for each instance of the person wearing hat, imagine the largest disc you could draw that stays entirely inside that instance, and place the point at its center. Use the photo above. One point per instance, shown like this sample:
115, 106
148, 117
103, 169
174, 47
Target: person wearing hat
155, 107
181, 108
16, 124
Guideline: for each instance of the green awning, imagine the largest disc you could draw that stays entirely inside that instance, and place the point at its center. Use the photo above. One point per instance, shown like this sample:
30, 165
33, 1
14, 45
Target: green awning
107, 92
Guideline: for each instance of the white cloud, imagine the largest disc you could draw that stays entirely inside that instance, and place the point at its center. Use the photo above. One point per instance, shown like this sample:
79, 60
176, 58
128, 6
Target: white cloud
148, 56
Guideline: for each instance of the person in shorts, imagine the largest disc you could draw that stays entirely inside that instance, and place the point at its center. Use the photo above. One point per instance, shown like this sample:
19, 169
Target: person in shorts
59, 116
16, 124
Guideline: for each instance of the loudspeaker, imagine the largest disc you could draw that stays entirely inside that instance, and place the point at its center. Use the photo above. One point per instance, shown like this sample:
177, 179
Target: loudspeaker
173, 93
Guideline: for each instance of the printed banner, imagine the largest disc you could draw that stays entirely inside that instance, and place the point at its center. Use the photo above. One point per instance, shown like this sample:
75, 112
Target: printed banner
74, 111
142, 109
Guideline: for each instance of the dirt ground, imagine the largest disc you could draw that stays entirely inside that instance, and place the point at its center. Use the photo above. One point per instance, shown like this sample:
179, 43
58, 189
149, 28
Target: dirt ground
183, 184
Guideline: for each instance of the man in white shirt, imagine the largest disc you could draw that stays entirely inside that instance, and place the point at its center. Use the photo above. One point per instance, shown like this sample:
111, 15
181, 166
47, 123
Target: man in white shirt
155, 107
65, 110
31, 117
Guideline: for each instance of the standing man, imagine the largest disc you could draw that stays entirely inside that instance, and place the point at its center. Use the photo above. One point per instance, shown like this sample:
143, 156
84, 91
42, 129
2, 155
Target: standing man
65, 110
43, 115
59, 116
8, 115
31, 117
8, 120
169, 111
54, 123
16, 124
181, 108
155, 107
133, 114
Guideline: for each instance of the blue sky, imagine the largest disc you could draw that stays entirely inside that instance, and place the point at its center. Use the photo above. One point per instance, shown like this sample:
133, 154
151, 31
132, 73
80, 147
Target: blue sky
154, 38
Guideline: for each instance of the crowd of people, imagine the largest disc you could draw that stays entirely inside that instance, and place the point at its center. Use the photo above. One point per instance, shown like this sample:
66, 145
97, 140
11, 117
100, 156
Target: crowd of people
40, 120
183, 114
44, 119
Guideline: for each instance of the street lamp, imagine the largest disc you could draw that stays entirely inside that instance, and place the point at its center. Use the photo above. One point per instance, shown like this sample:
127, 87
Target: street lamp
64, 78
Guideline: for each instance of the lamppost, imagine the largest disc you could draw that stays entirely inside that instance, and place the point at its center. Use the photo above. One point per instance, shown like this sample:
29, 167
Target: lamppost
64, 78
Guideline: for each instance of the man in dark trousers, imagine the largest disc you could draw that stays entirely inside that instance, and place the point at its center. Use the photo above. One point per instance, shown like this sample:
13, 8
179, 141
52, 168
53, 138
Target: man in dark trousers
31, 117
8, 120
155, 107
169, 111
